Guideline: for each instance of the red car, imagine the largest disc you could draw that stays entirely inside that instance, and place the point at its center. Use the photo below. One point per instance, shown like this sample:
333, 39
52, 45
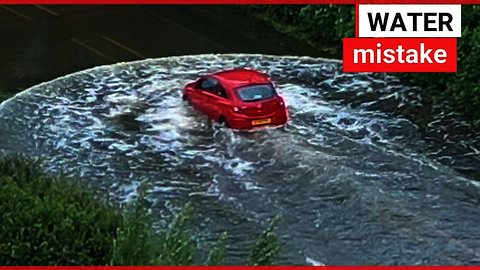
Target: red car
240, 98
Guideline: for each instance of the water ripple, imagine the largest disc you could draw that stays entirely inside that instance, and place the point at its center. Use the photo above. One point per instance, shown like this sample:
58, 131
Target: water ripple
353, 179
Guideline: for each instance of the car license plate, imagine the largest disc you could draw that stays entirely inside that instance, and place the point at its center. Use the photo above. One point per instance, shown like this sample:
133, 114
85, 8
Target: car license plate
261, 121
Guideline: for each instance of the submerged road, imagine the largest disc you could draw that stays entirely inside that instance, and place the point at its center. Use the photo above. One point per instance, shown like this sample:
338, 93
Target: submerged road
353, 185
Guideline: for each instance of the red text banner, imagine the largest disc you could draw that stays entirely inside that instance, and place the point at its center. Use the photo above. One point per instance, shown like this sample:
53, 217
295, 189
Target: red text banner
399, 55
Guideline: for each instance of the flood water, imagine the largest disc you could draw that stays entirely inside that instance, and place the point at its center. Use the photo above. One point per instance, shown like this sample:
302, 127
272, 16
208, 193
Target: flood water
353, 184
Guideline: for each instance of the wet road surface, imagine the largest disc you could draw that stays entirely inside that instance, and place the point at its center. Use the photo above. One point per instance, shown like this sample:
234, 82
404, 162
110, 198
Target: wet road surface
353, 184
40, 43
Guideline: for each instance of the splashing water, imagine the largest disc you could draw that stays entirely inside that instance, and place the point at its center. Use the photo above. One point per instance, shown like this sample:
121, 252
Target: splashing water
353, 184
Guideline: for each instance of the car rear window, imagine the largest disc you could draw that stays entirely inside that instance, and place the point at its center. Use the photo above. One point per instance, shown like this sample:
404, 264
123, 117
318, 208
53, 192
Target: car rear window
256, 92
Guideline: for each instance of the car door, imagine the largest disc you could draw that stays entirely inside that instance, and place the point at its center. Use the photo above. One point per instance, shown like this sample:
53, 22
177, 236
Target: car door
216, 101
210, 97
198, 97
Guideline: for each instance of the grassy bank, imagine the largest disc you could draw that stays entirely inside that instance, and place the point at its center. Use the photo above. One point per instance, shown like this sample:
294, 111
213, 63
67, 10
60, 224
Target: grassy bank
323, 26
51, 221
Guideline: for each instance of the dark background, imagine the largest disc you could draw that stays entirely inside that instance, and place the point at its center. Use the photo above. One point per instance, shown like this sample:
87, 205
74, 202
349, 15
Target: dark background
40, 43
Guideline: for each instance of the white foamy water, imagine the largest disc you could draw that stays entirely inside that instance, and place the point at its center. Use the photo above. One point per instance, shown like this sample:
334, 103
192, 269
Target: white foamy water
353, 184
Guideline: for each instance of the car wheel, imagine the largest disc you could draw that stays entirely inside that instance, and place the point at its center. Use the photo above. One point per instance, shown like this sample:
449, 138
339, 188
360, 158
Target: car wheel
223, 121
185, 98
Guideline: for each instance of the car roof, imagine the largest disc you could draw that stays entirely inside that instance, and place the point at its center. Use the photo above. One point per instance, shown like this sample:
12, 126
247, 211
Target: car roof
239, 77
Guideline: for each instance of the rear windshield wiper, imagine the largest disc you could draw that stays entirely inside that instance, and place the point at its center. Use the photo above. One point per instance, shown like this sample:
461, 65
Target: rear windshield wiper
253, 100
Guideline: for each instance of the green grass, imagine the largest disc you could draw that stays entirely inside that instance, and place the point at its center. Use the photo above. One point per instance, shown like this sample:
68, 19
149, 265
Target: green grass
52, 221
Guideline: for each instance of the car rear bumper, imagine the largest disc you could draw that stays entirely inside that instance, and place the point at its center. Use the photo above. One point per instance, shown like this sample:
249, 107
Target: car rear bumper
277, 118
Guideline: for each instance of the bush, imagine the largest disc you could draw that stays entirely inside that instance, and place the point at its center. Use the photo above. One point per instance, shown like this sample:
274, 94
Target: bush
267, 247
138, 244
323, 26
47, 221
463, 88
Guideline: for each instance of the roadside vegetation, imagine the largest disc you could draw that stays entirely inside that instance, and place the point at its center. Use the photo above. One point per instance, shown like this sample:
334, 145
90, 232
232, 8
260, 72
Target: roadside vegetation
324, 26
5, 96
53, 221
